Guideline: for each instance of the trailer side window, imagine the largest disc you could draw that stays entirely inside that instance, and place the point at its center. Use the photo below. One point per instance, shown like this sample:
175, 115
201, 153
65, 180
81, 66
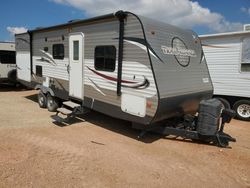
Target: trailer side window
39, 70
105, 57
58, 51
245, 64
7, 57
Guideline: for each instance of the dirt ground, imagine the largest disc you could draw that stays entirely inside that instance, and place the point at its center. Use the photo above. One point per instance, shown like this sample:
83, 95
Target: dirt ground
101, 151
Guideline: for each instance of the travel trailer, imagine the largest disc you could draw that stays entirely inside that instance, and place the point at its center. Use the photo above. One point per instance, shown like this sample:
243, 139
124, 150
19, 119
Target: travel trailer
126, 66
228, 59
7, 62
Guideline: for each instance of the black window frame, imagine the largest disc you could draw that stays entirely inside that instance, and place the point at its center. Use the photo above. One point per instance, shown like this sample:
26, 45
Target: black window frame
245, 62
39, 70
105, 58
76, 52
7, 57
58, 51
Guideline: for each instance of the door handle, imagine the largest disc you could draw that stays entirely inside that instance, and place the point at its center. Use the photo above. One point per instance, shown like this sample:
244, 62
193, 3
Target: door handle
68, 68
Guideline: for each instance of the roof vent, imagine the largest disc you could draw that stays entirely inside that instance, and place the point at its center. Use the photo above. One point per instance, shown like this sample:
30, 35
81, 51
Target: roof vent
247, 27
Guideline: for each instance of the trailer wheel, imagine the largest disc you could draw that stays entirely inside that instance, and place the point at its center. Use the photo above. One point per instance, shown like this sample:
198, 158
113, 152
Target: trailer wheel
242, 109
225, 103
42, 100
52, 103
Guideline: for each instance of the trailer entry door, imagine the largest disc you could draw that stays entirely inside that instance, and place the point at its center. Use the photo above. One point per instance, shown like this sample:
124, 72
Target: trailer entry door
76, 61
23, 66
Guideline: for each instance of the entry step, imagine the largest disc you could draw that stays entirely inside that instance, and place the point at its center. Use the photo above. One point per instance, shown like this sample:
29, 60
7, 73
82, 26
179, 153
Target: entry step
64, 111
58, 118
71, 104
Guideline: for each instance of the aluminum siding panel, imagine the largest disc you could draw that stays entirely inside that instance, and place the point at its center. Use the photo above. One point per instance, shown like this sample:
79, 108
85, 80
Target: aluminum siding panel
59, 68
173, 79
180, 88
223, 57
135, 61
22, 42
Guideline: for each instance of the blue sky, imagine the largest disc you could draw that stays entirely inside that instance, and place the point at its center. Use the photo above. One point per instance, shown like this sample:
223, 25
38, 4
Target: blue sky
203, 16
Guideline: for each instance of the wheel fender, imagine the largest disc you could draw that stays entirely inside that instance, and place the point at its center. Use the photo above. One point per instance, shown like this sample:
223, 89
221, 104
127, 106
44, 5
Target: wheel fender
45, 89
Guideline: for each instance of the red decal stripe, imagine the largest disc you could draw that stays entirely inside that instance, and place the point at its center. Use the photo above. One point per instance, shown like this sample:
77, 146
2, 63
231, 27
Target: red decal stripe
109, 77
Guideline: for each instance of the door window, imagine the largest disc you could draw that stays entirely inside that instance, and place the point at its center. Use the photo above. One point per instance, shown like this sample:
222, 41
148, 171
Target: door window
76, 50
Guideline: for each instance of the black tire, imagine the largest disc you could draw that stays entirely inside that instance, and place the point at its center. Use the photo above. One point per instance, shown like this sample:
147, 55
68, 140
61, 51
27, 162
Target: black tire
225, 103
41, 99
242, 109
52, 103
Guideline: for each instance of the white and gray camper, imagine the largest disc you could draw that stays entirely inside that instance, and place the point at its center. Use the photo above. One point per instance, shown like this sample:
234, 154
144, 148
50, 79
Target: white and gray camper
126, 66
7, 62
228, 59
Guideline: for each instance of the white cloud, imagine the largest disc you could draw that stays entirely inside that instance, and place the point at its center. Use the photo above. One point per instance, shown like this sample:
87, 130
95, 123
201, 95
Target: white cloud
184, 13
245, 10
16, 30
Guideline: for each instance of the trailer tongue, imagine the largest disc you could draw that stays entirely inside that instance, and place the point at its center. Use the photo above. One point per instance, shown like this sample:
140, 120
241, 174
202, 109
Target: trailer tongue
207, 126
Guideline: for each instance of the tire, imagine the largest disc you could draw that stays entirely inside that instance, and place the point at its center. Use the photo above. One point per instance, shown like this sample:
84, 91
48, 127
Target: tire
225, 103
242, 109
52, 103
41, 99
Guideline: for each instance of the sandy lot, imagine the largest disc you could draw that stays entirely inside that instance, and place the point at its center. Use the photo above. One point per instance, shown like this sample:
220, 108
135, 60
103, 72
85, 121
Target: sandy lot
103, 152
